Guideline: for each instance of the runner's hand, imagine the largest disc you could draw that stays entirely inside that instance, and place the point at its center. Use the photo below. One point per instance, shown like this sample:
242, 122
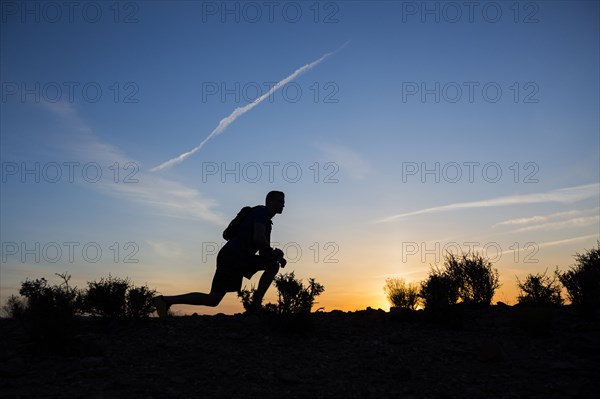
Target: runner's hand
278, 253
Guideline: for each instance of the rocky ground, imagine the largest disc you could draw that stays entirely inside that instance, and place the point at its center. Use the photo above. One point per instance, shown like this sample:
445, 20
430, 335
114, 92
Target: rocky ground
499, 352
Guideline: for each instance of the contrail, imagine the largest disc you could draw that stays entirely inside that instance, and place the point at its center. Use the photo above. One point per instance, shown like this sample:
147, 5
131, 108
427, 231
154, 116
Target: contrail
565, 195
225, 122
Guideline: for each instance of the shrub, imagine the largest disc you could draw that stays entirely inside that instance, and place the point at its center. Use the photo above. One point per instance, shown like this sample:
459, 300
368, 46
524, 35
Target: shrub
43, 304
474, 277
582, 281
50, 310
57, 300
439, 290
106, 298
139, 302
539, 289
246, 297
293, 296
15, 307
401, 294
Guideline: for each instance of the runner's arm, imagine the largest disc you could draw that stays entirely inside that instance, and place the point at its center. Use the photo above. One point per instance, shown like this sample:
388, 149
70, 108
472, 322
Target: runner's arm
260, 238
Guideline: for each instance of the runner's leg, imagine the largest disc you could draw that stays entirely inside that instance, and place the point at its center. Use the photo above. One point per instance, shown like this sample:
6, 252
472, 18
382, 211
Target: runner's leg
196, 298
271, 270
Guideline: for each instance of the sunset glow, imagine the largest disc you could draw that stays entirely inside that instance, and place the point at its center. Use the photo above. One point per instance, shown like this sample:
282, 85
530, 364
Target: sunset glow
396, 133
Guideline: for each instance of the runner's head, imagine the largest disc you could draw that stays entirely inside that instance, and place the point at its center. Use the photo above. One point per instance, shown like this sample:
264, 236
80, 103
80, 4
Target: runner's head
275, 201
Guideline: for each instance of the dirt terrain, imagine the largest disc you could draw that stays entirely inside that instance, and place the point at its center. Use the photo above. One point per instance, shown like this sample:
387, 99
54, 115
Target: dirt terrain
498, 352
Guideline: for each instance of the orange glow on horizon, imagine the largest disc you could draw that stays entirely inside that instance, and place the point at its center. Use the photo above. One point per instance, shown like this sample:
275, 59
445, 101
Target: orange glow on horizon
334, 300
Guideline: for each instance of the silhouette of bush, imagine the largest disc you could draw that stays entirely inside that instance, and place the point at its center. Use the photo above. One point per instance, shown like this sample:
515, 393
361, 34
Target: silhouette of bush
474, 277
15, 307
401, 294
115, 297
293, 296
246, 296
50, 310
540, 290
107, 297
139, 302
582, 281
439, 290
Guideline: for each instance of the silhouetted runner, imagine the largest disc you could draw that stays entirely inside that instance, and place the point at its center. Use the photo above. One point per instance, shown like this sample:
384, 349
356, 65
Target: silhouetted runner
238, 258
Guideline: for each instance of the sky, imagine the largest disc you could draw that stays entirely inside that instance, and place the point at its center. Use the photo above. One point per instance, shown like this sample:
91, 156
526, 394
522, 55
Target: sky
398, 130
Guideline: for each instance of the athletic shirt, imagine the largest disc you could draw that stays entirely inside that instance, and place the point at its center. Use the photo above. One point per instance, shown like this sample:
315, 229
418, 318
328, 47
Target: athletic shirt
244, 241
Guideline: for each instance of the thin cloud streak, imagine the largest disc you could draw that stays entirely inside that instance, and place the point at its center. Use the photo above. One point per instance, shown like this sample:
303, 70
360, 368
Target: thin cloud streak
553, 243
577, 222
546, 218
567, 241
225, 122
164, 196
563, 195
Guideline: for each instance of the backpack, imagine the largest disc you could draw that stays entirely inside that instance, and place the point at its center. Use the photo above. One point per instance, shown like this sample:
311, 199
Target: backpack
234, 226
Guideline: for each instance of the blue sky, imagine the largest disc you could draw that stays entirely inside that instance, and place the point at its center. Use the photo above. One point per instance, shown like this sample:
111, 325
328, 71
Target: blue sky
500, 108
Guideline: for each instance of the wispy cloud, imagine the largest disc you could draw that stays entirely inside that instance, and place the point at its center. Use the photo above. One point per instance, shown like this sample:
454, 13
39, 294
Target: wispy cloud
567, 241
554, 221
547, 218
536, 219
553, 243
348, 160
168, 250
164, 196
563, 195
225, 122
576, 222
